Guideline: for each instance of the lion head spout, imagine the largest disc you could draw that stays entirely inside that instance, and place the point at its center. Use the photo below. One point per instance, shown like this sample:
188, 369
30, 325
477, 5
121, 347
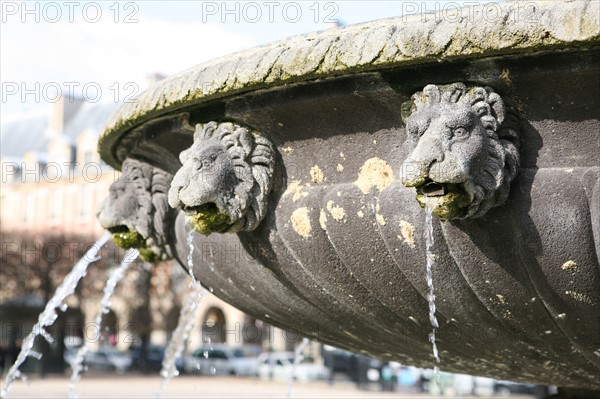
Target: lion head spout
466, 152
137, 212
225, 180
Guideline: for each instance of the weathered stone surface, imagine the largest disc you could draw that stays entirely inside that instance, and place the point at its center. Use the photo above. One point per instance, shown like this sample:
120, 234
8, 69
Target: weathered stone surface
340, 256
346, 242
505, 29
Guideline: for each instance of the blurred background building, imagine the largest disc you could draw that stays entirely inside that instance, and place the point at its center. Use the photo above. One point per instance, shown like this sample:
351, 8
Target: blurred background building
52, 183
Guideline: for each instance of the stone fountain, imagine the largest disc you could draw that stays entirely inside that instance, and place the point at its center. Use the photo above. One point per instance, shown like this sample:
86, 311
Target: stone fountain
303, 167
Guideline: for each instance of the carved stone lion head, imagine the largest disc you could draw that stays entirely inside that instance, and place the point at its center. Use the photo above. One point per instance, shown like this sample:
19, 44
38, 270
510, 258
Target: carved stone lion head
225, 179
137, 212
466, 152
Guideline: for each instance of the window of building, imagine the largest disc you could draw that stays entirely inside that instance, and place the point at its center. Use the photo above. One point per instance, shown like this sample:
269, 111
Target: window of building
85, 201
29, 210
57, 205
88, 157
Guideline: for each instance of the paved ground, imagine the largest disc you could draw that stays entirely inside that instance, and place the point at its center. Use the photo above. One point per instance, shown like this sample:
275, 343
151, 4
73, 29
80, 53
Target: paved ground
132, 386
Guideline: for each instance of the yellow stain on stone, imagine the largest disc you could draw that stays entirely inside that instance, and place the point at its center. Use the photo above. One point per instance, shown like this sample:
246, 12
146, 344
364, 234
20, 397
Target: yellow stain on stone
323, 219
337, 212
375, 172
569, 265
301, 222
506, 314
360, 214
287, 150
296, 189
408, 233
501, 298
579, 297
380, 219
505, 75
339, 167
317, 174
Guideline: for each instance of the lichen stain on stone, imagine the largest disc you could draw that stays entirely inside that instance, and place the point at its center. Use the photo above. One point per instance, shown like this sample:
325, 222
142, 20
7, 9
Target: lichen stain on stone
505, 75
580, 297
296, 189
380, 219
569, 265
317, 174
337, 212
323, 220
375, 172
350, 334
288, 150
339, 167
360, 214
301, 222
501, 298
408, 233
507, 314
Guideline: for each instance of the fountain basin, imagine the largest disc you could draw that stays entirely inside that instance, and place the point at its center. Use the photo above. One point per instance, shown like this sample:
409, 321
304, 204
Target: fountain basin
305, 142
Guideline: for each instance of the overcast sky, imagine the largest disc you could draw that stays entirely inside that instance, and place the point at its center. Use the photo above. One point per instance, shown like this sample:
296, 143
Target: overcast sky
109, 48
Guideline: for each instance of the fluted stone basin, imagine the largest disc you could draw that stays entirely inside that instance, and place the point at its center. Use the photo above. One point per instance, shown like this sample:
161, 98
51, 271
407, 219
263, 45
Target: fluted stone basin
299, 161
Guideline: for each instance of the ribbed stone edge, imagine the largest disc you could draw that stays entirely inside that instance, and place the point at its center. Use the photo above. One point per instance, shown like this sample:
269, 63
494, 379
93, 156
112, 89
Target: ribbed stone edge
471, 32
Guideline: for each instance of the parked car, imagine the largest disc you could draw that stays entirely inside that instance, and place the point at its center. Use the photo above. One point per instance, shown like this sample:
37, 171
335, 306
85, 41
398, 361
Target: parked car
467, 385
339, 361
108, 358
507, 388
154, 357
220, 359
279, 366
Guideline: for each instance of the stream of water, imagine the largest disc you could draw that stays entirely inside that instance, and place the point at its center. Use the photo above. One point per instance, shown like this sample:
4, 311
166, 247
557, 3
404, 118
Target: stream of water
49, 315
431, 294
185, 324
77, 364
298, 357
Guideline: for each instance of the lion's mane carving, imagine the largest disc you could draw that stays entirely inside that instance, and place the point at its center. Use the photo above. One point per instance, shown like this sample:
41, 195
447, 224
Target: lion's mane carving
225, 179
467, 150
137, 210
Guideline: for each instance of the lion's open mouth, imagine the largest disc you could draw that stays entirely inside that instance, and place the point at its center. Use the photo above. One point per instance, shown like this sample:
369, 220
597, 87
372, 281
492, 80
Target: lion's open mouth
447, 200
207, 218
433, 189
118, 229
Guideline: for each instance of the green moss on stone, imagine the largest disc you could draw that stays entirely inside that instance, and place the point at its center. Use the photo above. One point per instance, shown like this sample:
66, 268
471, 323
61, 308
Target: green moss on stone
128, 239
450, 206
208, 219
148, 255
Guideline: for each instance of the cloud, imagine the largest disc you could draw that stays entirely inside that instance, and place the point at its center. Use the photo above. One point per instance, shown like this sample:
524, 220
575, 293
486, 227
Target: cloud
106, 53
